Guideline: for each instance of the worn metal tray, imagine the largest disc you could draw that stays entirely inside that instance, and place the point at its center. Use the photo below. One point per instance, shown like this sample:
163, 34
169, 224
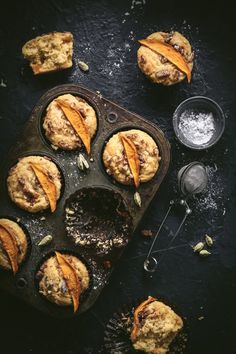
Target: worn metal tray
111, 118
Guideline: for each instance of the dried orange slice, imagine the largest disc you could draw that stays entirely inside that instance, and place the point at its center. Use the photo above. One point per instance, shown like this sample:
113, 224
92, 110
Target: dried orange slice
133, 158
76, 120
10, 246
46, 183
71, 279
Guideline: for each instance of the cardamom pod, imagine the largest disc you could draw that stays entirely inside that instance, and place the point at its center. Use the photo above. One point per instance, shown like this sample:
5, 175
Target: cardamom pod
83, 66
45, 240
198, 247
204, 253
82, 163
137, 199
209, 240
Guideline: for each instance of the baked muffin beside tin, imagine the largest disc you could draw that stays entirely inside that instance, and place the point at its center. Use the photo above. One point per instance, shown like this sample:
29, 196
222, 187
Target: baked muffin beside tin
157, 67
155, 326
13, 245
24, 187
59, 130
116, 162
148, 326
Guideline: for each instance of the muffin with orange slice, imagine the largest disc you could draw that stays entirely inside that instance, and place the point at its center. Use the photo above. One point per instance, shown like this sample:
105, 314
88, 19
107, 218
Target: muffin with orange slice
63, 278
166, 58
13, 245
70, 123
131, 157
34, 184
155, 326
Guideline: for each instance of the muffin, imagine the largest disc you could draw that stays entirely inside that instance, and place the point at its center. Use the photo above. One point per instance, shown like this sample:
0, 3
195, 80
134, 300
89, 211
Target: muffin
155, 327
59, 130
157, 67
13, 245
63, 286
34, 183
49, 52
116, 162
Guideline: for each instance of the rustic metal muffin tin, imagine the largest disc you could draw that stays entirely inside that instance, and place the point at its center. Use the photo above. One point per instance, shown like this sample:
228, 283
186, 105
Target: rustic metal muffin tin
111, 118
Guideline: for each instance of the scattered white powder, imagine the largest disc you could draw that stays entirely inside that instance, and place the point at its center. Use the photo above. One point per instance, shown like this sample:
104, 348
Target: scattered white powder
198, 128
214, 198
2, 83
116, 57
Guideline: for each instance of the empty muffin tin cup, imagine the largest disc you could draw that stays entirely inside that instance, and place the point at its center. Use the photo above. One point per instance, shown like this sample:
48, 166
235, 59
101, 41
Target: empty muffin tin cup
208, 122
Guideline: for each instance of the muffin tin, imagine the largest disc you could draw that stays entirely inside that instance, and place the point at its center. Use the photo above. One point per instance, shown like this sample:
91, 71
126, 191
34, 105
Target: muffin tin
111, 118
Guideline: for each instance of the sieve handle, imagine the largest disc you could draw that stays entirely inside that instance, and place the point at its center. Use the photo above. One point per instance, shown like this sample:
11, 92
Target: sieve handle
151, 263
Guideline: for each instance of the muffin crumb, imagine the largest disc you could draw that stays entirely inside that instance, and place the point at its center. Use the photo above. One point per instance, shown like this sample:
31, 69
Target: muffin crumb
49, 52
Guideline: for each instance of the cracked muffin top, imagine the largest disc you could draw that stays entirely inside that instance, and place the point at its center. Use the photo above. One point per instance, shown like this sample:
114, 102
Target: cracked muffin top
116, 161
56, 284
59, 130
157, 67
27, 190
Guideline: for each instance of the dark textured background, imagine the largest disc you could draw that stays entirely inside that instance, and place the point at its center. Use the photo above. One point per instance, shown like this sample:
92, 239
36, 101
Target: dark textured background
106, 34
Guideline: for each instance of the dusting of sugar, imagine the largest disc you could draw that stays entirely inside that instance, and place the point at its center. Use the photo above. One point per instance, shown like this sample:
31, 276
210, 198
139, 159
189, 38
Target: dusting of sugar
99, 274
213, 199
3, 83
116, 57
197, 127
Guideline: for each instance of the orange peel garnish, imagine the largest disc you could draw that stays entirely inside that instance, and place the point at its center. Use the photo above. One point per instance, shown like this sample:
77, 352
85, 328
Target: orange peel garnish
47, 184
132, 157
71, 279
10, 246
76, 120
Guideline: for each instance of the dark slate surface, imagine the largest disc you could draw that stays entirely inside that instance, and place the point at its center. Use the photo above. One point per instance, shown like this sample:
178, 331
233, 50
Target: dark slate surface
106, 34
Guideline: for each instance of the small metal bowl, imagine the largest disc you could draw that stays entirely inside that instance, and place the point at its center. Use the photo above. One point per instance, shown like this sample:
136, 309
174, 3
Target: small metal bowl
200, 104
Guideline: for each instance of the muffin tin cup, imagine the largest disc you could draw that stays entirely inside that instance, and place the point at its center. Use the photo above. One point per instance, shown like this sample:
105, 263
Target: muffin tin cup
123, 128
112, 196
52, 158
110, 118
28, 239
66, 310
119, 326
49, 97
